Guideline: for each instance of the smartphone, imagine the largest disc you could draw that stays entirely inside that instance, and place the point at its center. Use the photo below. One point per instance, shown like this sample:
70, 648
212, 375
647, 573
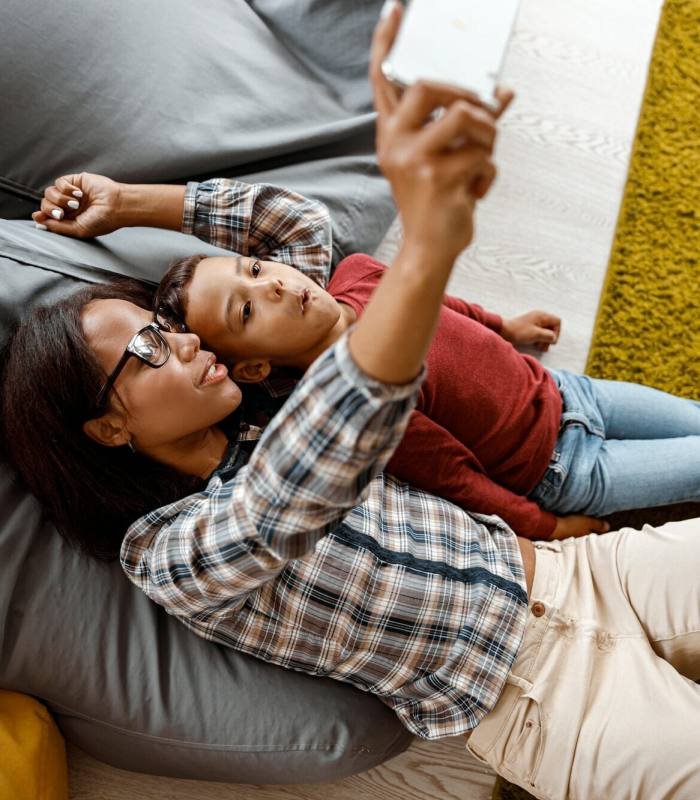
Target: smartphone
458, 42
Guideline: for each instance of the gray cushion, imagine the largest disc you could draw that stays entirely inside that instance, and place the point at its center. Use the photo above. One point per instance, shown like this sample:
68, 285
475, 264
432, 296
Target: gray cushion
129, 684
148, 91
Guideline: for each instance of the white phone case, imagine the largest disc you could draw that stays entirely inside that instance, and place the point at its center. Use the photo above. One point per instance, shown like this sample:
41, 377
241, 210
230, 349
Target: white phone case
457, 42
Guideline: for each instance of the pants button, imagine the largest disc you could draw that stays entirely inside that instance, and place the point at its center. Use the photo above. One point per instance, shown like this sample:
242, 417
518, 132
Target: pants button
537, 609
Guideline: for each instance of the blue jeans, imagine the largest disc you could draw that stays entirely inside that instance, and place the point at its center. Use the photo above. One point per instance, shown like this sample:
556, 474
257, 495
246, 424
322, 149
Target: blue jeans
620, 446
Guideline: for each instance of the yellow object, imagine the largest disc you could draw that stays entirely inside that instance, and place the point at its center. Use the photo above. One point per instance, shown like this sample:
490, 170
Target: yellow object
32, 754
648, 326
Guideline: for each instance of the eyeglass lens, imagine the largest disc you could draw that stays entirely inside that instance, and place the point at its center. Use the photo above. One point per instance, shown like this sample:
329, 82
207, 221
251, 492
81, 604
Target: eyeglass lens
149, 346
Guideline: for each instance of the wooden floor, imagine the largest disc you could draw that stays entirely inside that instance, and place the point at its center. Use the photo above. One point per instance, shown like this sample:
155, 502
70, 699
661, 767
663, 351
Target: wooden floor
543, 238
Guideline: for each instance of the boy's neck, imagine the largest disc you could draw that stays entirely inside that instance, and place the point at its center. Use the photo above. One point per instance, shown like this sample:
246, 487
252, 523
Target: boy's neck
303, 361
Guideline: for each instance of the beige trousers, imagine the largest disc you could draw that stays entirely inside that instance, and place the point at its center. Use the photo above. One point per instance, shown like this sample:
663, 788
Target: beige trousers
601, 703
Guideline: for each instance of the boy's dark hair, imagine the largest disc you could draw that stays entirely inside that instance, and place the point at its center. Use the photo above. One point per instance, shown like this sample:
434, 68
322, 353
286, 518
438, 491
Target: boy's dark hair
170, 299
50, 381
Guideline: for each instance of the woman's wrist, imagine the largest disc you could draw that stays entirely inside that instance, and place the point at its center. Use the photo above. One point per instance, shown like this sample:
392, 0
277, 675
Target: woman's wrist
150, 205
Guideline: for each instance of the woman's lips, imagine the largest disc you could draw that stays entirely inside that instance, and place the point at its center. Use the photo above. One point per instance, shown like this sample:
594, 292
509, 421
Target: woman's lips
213, 373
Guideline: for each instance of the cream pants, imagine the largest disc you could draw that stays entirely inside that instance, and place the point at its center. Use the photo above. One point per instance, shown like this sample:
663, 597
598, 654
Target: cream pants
601, 702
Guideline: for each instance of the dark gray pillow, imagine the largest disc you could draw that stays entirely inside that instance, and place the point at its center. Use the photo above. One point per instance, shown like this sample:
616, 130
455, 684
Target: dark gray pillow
129, 684
271, 90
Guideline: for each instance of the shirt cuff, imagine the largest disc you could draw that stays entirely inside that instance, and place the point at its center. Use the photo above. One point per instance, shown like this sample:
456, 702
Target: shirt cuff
372, 388
494, 321
190, 207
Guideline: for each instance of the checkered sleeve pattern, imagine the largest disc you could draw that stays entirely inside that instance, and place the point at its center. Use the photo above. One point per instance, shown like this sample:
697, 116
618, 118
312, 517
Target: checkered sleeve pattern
313, 462
261, 220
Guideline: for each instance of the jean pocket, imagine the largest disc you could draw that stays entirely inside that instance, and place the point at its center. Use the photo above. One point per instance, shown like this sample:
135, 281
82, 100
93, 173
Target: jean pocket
547, 490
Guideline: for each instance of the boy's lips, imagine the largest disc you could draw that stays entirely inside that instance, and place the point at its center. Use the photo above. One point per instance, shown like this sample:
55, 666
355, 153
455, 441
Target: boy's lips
304, 297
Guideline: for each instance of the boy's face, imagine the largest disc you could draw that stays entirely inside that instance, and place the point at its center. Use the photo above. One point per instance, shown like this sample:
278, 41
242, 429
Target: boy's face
245, 308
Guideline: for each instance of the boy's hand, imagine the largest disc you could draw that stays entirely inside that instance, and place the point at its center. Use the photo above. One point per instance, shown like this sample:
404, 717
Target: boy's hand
578, 525
538, 328
438, 164
82, 205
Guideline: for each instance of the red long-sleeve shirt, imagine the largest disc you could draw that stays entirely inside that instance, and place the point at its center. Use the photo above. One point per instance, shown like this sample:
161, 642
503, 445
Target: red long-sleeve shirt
487, 416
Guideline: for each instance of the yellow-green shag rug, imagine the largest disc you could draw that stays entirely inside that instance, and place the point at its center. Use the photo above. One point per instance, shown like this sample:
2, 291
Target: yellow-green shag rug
648, 324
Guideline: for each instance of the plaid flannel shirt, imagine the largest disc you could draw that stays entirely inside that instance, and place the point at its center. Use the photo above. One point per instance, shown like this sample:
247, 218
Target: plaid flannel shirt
311, 558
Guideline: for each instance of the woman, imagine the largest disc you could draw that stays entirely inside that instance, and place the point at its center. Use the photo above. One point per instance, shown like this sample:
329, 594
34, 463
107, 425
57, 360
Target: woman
311, 558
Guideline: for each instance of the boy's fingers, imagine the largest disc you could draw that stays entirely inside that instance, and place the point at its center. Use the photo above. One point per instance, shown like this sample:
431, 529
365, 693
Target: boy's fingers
386, 95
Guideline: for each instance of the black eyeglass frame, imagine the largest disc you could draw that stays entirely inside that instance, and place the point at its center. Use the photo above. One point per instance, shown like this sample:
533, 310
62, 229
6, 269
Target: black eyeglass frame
129, 352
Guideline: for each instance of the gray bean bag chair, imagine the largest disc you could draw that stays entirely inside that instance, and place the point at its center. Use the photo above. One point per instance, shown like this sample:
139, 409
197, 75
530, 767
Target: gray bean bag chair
159, 91
162, 91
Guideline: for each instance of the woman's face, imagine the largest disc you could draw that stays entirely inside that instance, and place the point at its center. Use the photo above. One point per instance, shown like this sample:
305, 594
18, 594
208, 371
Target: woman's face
162, 405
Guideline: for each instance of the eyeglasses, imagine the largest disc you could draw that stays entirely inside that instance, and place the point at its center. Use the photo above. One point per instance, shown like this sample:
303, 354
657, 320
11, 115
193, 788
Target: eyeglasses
148, 345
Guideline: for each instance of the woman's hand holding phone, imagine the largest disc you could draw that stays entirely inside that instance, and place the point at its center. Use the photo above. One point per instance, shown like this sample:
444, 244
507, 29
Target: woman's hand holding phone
435, 147
438, 165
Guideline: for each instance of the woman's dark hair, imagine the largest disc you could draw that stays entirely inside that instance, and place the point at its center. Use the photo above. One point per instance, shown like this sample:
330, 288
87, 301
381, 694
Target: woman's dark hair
49, 385
171, 295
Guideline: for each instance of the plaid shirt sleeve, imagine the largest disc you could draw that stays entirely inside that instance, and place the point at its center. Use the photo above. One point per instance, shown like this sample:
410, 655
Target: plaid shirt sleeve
261, 220
312, 465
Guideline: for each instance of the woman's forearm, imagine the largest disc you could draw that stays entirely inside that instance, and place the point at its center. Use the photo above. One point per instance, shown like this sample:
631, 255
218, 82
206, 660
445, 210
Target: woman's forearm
151, 205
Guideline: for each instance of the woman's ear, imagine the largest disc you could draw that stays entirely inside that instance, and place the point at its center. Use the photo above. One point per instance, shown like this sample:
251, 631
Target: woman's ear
252, 370
108, 430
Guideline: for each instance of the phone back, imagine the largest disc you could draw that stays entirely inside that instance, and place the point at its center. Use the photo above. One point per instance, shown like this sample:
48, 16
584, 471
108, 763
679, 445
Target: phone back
458, 42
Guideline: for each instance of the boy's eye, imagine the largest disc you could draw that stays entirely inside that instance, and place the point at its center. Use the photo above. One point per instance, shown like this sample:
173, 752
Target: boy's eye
255, 269
246, 311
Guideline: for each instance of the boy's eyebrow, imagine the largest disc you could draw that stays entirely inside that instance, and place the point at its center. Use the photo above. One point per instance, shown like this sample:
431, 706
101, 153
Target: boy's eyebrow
231, 295
227, 311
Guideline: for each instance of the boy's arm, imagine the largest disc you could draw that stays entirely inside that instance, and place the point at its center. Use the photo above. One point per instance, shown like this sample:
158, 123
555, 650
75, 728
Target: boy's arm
431, 458
474, 311
538, 328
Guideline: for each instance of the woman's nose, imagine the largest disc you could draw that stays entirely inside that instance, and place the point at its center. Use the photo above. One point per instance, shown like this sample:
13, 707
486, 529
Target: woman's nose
186, 345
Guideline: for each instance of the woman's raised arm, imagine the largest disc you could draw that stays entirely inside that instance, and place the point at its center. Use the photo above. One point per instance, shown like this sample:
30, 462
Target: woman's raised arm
439, 164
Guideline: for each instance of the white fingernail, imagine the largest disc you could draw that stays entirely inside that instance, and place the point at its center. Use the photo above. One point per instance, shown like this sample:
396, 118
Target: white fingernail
40, 226
77, 193
386, 9
57, 213
73, 204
